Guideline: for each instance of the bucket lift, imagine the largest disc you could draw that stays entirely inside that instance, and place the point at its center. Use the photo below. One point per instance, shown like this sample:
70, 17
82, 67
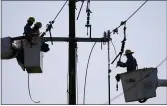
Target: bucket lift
8, 50
31, 57
141, 84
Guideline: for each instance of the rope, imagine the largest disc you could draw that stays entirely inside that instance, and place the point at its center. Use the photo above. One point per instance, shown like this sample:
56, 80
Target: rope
30, 92
86, 72
138, 81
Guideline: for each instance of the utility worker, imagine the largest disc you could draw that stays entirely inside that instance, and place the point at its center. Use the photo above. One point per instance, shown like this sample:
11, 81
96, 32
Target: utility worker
36, 32
131, 63
27, 27
35, 29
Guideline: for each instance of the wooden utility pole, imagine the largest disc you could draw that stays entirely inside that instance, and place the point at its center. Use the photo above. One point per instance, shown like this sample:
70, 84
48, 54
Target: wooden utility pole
72, 54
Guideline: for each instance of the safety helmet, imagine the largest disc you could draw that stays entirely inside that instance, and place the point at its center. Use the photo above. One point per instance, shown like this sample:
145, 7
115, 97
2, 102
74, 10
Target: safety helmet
128, 52
38, 24
31, 19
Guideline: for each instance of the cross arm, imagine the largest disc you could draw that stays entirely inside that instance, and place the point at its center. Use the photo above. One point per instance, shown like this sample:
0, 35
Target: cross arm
67, 39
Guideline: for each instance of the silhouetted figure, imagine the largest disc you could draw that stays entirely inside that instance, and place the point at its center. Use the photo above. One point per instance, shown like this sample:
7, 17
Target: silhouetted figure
35, 29
28, 29
131, 65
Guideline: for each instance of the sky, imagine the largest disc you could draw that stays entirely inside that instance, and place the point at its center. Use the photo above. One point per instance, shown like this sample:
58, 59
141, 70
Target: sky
146, 36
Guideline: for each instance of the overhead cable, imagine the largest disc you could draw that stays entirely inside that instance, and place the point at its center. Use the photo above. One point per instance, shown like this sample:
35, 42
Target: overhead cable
87, 71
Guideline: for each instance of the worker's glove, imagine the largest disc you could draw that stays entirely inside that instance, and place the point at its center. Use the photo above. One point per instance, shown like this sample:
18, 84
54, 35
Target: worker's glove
119, 63
45, 47
118, 77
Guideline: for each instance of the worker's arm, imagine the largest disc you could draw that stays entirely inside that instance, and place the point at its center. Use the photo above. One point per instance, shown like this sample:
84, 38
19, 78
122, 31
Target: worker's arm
121, 64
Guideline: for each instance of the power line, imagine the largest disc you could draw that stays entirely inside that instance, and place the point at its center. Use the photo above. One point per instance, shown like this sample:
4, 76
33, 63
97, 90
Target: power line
138, 81
49, 26
60, 10
80, 9
86, 72
161, 62
137, 10
123, 22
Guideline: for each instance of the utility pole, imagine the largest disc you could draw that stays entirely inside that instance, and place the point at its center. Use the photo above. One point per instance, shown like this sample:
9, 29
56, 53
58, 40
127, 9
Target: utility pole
72, 54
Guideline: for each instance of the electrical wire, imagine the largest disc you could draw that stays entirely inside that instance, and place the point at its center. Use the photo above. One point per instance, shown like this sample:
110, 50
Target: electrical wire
80, 9
138, 81
86, 72
60, 10
29, 90
114, 47
137, 10
161, 62
130, 16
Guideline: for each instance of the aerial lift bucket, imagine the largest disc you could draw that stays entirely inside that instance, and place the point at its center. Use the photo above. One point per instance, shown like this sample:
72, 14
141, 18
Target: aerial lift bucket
33, 57
139, 84
8, 50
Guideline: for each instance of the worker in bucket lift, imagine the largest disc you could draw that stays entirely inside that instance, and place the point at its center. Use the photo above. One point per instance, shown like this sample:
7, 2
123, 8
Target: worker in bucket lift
28, 29
35, 29
131, 65
36, 32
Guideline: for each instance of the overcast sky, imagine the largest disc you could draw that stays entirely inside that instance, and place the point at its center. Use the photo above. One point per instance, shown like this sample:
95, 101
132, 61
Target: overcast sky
146, 36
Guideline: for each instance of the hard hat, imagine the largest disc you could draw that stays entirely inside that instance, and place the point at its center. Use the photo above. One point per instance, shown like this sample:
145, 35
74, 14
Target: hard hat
128, 52
38, 24
31, 19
